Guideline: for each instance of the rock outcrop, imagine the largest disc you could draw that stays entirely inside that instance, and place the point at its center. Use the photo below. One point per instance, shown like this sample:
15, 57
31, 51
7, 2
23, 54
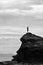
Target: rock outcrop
31, 49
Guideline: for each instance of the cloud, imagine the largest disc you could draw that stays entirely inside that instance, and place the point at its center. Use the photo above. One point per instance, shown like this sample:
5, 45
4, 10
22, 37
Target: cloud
17, 3
12, 3
41, 2
21, 7
36, 11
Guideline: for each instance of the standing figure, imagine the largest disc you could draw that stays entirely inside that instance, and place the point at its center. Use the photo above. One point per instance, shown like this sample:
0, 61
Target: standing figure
27, 29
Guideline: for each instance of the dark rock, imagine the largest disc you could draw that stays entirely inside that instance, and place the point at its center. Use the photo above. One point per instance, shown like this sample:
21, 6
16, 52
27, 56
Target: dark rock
13, 63
31, 49
1, 63
6, 62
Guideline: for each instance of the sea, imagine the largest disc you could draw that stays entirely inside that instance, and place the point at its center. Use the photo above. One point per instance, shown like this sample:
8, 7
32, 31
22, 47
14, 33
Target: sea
9, 44
6, 57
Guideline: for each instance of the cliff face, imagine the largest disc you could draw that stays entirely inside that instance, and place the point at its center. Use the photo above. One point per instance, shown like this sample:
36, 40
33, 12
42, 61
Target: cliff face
31, 49
30, 39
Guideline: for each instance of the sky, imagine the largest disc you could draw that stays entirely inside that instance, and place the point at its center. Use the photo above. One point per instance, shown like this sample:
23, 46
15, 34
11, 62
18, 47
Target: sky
21, 13
15, 16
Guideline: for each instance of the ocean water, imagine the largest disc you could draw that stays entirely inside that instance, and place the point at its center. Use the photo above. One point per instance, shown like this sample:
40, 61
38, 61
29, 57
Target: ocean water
6, 57
9, 44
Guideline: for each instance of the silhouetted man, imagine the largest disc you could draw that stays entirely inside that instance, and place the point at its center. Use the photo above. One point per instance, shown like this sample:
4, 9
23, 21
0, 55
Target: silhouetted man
27, 29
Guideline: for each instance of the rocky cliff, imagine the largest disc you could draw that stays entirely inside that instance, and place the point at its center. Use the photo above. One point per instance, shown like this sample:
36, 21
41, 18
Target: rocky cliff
31, 49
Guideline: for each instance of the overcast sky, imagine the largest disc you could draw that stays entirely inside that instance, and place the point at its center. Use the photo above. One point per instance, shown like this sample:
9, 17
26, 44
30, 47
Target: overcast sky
15, 16
21, 13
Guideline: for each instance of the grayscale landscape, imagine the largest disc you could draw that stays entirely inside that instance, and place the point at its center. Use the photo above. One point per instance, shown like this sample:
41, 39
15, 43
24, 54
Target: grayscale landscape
20, 18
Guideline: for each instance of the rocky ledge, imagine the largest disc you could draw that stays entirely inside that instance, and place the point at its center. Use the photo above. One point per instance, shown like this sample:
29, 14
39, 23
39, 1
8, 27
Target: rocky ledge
30, 51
